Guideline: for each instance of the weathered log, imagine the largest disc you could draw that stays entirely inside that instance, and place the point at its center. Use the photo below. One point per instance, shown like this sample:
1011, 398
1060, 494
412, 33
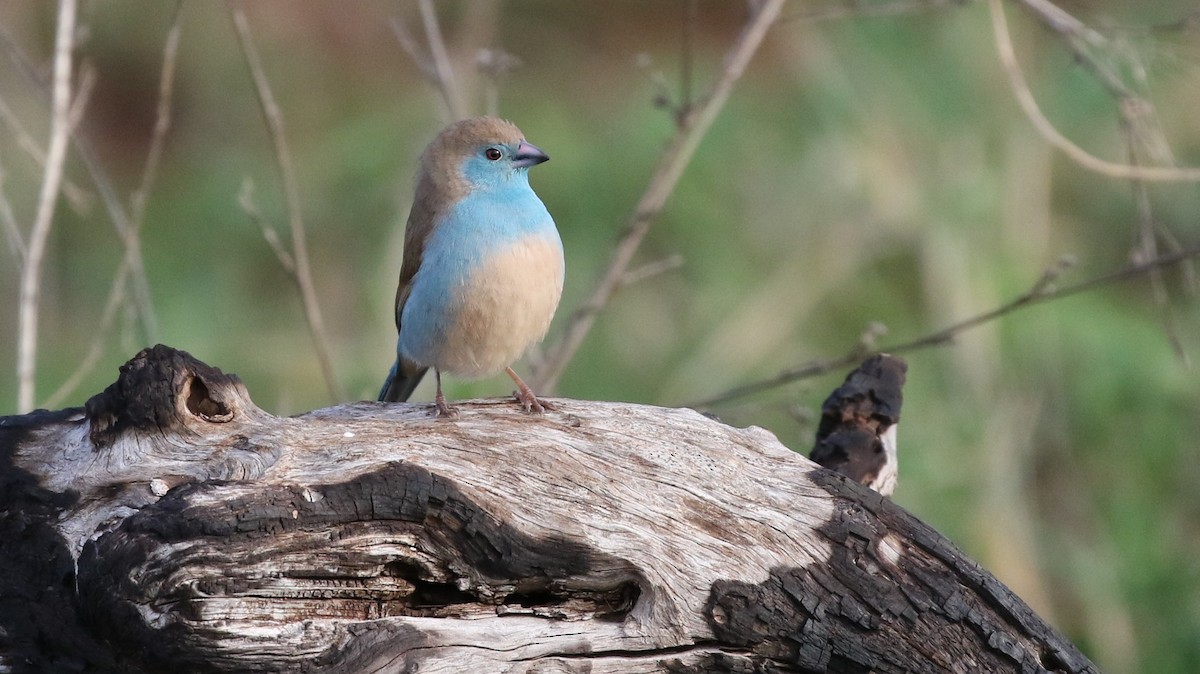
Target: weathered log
172, 525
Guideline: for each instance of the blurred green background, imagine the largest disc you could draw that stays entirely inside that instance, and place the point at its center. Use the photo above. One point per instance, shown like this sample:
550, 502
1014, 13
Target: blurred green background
865, 170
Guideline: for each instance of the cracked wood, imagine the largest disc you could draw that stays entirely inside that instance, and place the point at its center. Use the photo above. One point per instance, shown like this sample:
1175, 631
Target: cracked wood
172, 525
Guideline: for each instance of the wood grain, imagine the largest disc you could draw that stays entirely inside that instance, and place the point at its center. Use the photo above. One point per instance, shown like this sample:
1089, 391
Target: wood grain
172, 525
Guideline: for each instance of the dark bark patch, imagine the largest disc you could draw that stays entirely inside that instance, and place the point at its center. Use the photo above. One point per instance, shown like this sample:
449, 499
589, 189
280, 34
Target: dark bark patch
40, 630
894, 597
145, 394
276, 546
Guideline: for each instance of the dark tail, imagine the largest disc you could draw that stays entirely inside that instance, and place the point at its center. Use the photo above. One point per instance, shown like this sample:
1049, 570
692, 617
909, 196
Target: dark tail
400, 382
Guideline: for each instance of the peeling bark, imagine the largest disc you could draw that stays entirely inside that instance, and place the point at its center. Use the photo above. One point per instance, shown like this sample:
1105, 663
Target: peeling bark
172, 525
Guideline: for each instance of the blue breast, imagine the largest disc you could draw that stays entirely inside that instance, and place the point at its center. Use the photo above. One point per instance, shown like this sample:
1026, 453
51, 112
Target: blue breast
484, 221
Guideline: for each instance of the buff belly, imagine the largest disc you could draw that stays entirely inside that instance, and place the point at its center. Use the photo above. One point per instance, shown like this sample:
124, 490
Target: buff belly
502, 308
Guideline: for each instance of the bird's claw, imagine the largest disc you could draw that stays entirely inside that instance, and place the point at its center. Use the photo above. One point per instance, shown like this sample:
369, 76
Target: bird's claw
530, 403
444, 410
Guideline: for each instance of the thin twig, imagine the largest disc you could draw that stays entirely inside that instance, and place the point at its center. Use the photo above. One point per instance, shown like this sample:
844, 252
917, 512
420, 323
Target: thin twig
30, 293
646, 271
858, 10
494, 65
1147, 246
303, 273
1008, 59
270, 235
116, 296
12, 231
132, 232
441, 61
691, 19
143, 301
104, 186
83, 93
78, 197
1042, 291
409, 44
675, 158
162, 121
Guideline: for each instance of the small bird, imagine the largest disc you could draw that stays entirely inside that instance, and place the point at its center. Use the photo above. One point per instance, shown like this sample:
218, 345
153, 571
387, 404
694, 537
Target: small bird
483, 263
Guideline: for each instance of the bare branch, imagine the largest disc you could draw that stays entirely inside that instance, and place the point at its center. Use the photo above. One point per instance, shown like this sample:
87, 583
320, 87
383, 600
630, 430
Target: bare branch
12, 231
1068, 25
441, 61
83, 93
1147, 246
246, 202
162, 121
409, 44
132, 232
78, 197
494, 65
1043, 290
675, 158
303, 273
857, 10
116, 297
30, 293
104, 186
646, 271
687, 57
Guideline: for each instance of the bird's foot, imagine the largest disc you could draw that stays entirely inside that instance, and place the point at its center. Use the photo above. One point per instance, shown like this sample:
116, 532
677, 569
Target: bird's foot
524, 395
530, 403
444, 410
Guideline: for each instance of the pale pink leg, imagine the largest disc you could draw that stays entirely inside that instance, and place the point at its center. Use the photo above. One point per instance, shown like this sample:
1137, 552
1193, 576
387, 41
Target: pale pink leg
524, 395
439, 400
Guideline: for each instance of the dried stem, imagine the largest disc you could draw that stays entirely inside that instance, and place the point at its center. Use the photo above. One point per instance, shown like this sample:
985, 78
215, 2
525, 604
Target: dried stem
1147, 244
303, 273
687, 57
441, 61
409, 44
647, 271
679, 151
270, 235
1042, 291
60, 133
162, 121
132, 231
104, 186
116, 296
142, 299
857, 10
76, 196
12, 231
1075, 31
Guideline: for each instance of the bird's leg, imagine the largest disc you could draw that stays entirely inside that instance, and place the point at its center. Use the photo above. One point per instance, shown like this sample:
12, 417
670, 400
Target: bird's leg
524, 395
439, 401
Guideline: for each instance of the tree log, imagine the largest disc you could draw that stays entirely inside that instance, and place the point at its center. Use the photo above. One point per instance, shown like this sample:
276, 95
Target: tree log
172, 525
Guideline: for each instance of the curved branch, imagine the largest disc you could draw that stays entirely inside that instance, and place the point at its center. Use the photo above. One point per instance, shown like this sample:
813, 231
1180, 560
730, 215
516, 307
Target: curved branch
1052, 135
693, 125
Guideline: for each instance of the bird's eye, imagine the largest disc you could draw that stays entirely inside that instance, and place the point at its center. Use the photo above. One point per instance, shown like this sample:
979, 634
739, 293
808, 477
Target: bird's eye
492, 153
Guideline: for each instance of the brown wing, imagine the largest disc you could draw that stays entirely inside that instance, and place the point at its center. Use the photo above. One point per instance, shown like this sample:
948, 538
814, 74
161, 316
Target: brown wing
406, 374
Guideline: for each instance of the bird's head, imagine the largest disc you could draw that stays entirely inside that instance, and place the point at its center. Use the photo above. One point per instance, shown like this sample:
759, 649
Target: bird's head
481, 153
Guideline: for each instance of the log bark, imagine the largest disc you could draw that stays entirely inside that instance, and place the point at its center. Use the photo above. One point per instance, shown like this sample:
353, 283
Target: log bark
172, 525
